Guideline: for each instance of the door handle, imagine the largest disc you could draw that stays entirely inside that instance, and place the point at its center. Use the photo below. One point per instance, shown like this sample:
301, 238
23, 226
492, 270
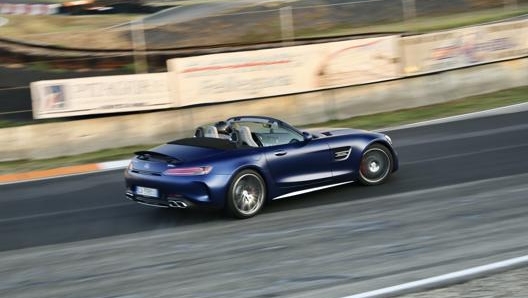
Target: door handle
280, 153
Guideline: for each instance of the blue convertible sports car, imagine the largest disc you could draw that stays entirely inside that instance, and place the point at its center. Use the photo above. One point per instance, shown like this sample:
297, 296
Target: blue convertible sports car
241, 163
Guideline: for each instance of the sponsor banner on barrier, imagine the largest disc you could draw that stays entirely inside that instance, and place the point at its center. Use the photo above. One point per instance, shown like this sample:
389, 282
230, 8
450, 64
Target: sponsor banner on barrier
231, 76
94, 95
29, 9
354, 62
464, 47
261, 73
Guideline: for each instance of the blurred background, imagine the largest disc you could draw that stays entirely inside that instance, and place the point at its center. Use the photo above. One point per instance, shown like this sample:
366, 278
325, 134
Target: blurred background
43, 40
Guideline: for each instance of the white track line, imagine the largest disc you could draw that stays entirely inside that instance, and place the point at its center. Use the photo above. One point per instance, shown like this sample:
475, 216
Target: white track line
445, 279
113, 165
497, 111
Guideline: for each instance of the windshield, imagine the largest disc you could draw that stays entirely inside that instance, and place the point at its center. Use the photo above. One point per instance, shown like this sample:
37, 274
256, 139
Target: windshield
270, 134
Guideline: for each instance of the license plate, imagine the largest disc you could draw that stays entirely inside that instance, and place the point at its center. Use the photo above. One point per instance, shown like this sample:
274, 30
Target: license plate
146, 191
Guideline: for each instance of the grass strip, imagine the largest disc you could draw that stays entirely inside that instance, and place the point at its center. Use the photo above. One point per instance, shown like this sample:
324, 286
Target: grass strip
99, 31
424, 24
451, 108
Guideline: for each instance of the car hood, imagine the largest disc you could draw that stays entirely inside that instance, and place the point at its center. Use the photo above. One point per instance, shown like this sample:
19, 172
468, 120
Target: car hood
333, 132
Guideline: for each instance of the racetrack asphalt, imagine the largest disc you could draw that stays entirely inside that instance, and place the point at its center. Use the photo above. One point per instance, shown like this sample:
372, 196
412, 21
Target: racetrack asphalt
459, 200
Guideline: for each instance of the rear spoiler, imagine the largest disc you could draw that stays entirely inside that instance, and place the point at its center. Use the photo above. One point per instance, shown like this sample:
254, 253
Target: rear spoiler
146, 155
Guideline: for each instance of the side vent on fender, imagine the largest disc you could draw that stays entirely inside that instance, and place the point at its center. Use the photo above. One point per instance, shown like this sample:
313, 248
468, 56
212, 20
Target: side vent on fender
342, 153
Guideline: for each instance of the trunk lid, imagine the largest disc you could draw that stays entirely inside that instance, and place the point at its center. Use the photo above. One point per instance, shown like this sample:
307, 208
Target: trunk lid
156, 160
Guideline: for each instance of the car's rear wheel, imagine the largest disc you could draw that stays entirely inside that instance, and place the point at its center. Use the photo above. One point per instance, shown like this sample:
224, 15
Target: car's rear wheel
376, 165
246, 195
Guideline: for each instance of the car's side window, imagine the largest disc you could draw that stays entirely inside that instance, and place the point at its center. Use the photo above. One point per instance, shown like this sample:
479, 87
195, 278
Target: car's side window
266, 134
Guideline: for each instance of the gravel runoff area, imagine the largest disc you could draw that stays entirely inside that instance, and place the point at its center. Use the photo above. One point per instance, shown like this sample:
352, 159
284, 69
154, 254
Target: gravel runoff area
509, 284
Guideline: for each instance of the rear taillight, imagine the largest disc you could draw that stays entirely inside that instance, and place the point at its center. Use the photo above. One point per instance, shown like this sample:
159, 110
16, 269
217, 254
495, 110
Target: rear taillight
192, 171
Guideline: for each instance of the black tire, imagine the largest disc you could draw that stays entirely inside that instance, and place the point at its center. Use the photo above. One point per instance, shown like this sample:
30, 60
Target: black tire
376, 165
246, 194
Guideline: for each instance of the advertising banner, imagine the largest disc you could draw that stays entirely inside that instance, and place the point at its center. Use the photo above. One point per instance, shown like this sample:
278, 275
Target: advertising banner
464, 47
253, 74
29, 9
231, 76
94, 95
354, 62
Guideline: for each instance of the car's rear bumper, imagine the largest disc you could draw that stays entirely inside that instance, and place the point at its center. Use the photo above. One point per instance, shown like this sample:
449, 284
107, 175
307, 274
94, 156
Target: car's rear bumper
204, 190
163, 202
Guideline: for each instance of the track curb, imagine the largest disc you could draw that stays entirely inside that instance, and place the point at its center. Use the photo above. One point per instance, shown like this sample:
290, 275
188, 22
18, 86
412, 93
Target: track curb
63, 171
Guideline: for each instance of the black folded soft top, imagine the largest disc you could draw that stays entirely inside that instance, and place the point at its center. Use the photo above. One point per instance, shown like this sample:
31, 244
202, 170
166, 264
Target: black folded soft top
213, 143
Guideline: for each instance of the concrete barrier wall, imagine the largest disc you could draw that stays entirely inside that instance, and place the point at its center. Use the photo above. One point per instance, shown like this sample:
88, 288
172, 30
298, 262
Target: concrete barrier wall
74, 137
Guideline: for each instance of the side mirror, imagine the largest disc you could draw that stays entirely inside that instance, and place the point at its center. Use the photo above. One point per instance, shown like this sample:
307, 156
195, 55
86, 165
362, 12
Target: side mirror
307, 136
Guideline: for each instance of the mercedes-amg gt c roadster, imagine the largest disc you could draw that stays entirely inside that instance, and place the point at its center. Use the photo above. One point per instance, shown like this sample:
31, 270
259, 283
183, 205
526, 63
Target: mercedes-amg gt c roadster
242, 162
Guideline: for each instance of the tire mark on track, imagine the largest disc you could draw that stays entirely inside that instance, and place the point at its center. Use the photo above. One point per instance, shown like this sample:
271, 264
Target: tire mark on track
458, 155
71, 211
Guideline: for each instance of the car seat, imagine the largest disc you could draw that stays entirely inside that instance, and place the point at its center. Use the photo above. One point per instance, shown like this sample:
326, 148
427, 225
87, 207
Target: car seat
245, 136
211, 132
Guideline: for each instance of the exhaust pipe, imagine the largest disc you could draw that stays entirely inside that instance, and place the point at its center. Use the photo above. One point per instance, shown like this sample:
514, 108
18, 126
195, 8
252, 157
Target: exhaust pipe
178, 204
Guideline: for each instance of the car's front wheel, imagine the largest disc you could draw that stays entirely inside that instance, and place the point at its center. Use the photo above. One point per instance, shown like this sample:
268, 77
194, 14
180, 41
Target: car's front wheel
376, 165
246, 194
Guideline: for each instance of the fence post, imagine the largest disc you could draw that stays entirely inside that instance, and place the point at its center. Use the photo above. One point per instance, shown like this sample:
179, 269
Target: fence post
286, 23
510, 4
139, 46
409, 9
